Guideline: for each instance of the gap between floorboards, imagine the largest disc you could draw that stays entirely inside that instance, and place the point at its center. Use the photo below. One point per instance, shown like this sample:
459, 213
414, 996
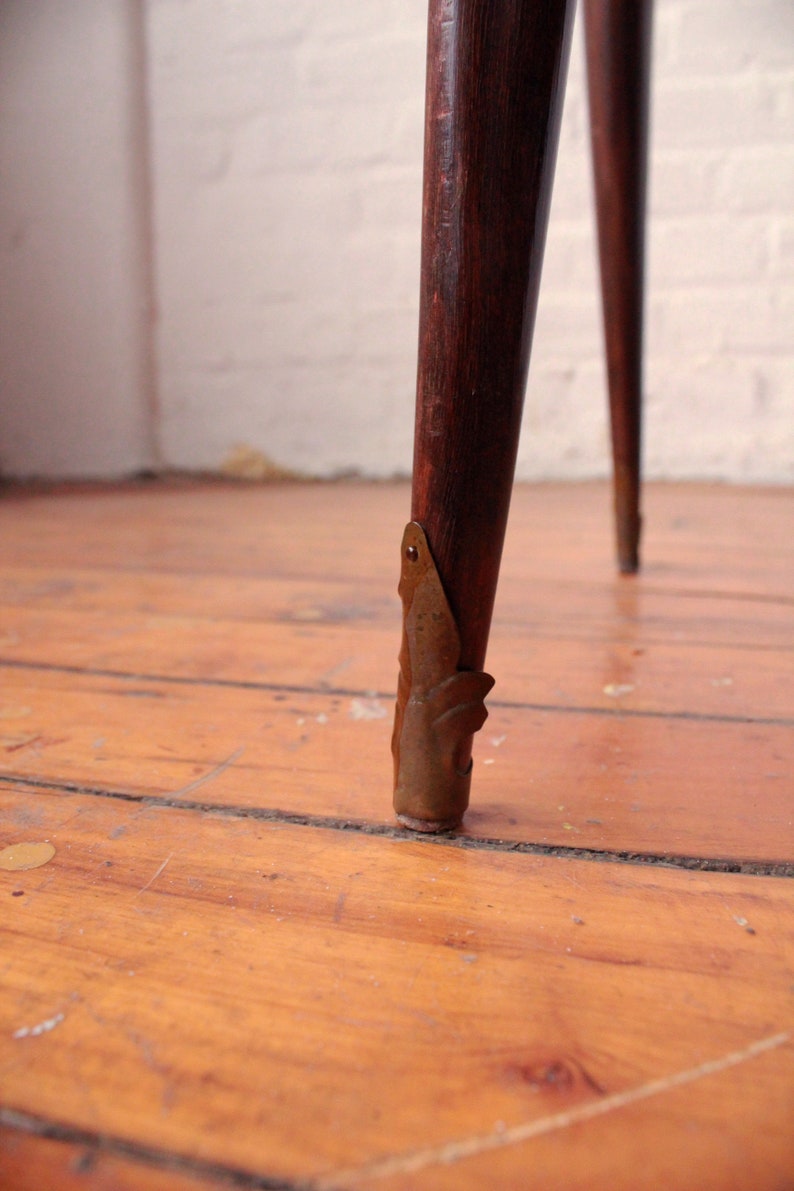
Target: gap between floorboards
753, 868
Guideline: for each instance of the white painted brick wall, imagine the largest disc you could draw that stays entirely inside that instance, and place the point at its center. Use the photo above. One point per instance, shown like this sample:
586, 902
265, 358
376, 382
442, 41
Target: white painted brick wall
288, 198
288, 152
286, 168
720, 307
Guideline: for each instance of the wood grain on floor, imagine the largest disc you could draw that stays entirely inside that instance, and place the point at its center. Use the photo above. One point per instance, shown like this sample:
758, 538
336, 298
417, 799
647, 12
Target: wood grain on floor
236, 971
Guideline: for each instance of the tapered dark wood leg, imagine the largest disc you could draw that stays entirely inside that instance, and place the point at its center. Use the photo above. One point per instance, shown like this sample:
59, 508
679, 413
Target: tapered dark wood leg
496, 71
618, 39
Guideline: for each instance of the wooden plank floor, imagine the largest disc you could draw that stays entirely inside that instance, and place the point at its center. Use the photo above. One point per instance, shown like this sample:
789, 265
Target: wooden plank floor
235, 971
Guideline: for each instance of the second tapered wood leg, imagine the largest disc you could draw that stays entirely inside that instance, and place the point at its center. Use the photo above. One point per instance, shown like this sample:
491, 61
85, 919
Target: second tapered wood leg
496, 71
618, 38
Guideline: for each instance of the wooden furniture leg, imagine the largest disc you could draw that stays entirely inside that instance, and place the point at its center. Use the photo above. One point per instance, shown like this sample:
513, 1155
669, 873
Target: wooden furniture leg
495, 81
618, 40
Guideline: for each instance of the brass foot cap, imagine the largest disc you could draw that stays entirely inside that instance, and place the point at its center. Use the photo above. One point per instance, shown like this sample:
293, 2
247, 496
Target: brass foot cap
428, 826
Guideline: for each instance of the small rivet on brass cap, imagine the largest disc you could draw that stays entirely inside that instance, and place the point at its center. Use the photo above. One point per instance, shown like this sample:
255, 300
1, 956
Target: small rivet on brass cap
412, 554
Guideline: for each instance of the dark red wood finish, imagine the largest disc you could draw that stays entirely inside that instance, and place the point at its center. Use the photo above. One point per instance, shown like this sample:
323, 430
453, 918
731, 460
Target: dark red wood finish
618, 39
495, 82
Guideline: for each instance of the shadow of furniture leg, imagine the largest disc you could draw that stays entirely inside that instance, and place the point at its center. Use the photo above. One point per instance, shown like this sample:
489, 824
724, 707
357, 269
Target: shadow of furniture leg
495, 81
618, 41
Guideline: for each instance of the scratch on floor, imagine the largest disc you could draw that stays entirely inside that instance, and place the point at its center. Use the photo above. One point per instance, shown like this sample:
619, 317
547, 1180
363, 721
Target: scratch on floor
457, 1151
153, 878
43, 1027
208, 777
367, 709
330, 676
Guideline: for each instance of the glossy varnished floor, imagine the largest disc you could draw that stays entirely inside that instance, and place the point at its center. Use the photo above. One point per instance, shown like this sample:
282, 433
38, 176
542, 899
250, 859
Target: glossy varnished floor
234, 971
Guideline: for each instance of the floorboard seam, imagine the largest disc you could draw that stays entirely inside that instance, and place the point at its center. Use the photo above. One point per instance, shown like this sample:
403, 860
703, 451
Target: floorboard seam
97, 1144
755, 868
361, 693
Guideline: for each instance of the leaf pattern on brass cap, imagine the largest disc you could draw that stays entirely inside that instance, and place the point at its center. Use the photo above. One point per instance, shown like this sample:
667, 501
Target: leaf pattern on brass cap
439, 707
